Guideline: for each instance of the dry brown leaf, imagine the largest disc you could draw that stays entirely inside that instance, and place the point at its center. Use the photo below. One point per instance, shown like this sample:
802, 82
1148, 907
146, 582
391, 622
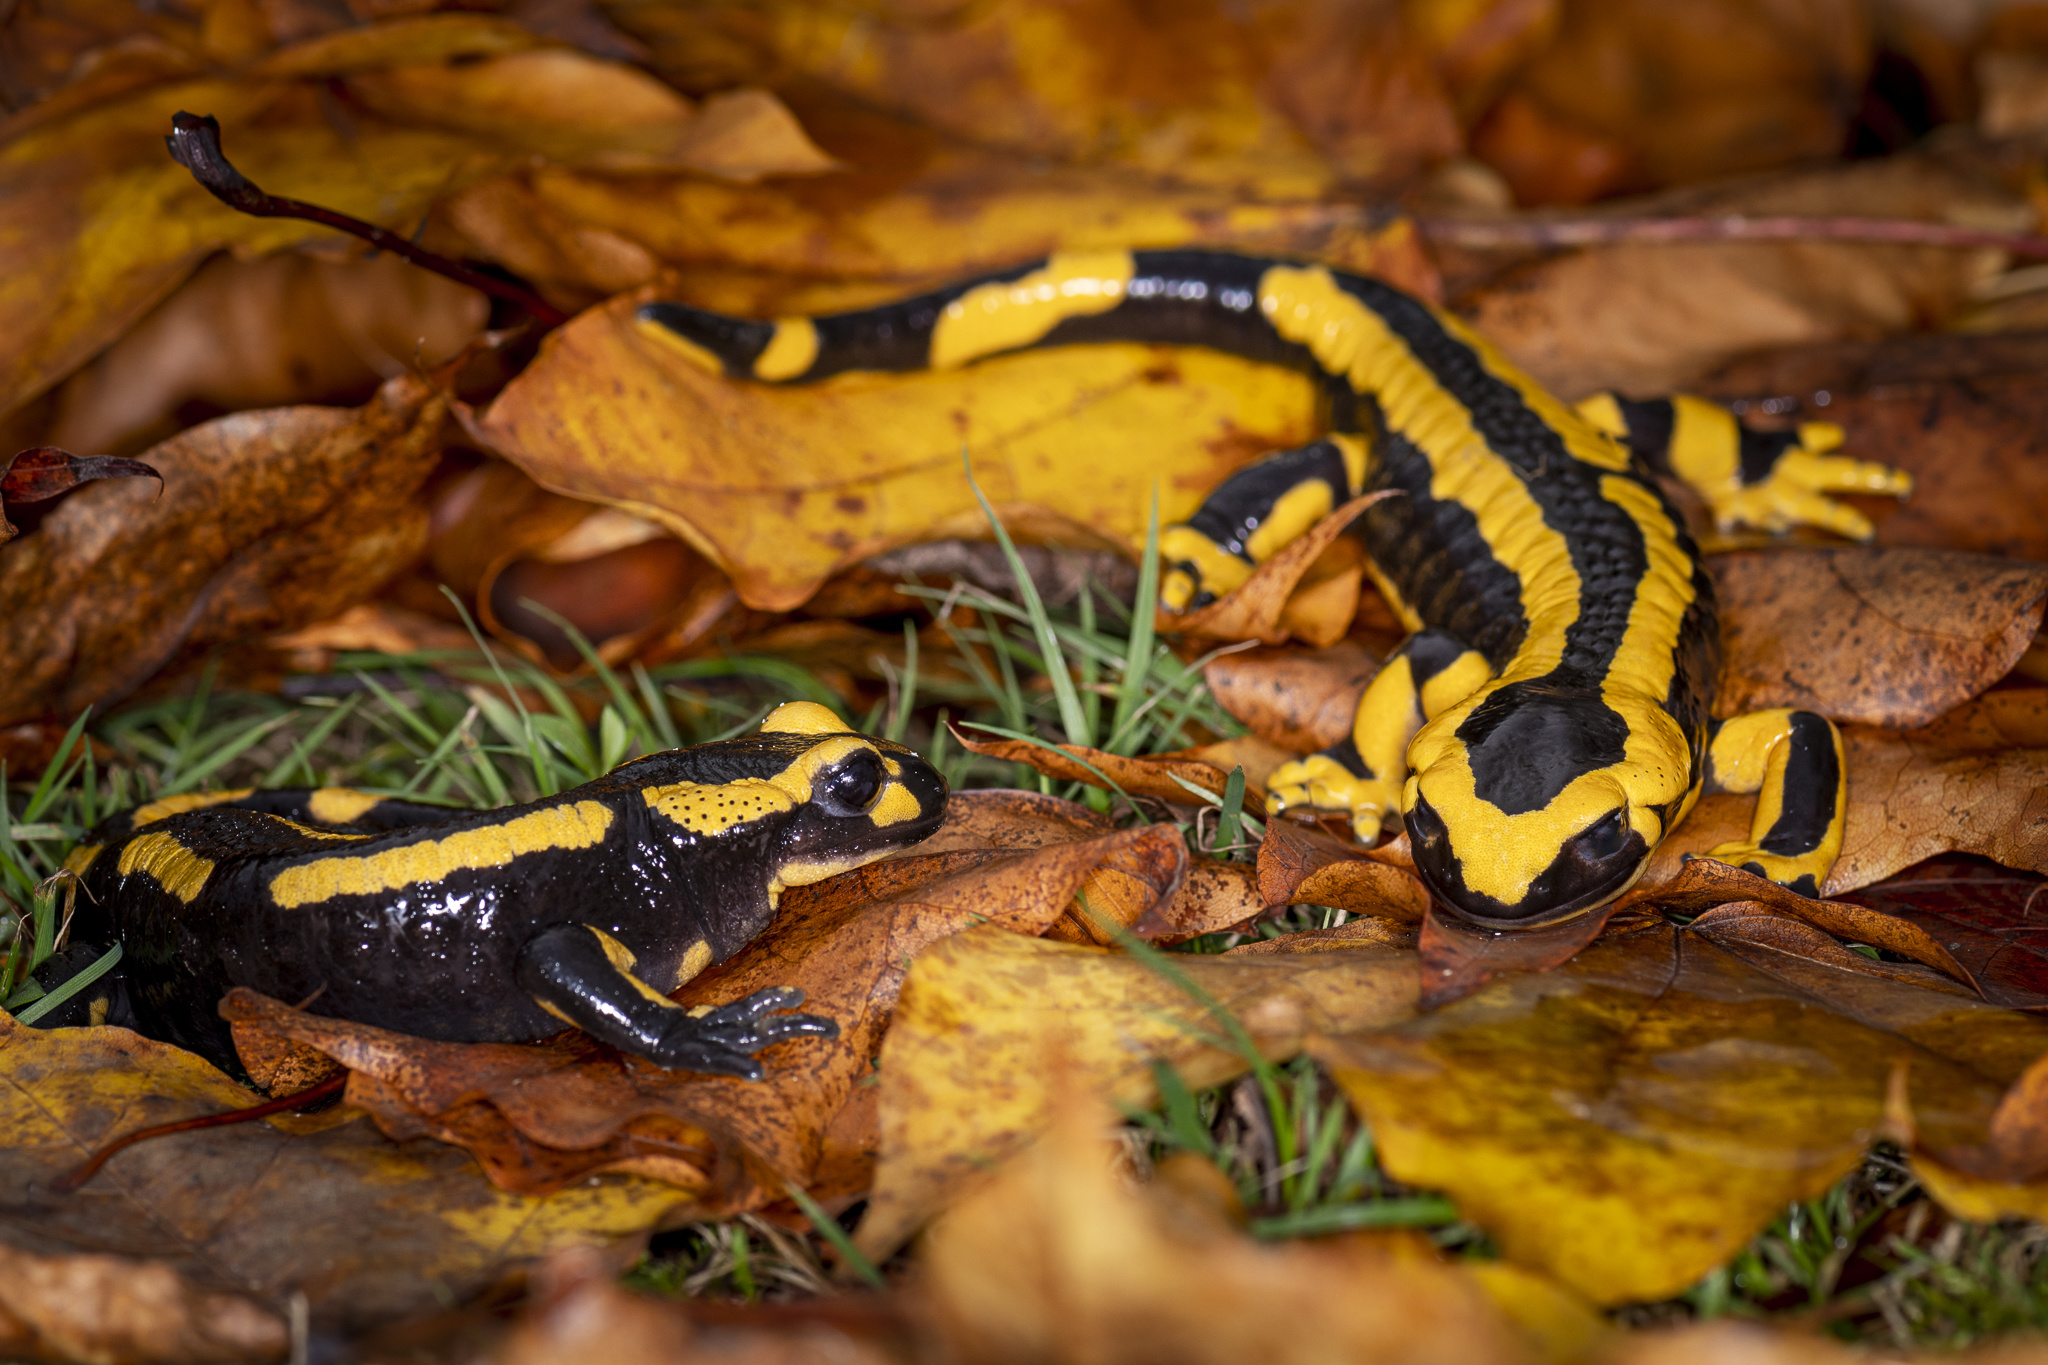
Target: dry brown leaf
1459, 958
367, 1230
908, 213
546, 1116
112, 1310
1302, 864
280, 331
1062, 1259
1913, 795
968, 1076
37, 475
1299, 700
1309, 590
1635, 94
1151, 775
267, 521
1627, 1121
1891, 637
1217, 895
1291, 97
1001, 819
104, 224
1979, 915
1654, 319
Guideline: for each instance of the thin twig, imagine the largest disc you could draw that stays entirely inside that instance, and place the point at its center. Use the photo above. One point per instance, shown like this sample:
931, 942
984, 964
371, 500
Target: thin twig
1718, 227
195, 144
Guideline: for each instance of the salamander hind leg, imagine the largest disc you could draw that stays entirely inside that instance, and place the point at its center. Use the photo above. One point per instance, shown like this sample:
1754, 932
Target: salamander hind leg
584, 977
1363, 773
1793, 761
1252, 516
1770, 480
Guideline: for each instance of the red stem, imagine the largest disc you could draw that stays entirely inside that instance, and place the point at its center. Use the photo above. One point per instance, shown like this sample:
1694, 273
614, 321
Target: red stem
195, 144
91, 1167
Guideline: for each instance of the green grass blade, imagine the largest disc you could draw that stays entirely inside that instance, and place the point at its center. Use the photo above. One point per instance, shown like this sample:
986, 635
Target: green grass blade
828, 1228
1420, 1211
1138, 653
98, 968
1072, 719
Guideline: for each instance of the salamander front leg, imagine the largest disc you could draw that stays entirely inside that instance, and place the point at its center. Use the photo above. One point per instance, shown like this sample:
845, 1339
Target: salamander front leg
1793, 760
1363, 774
1771, 480
1252, 516
584, 977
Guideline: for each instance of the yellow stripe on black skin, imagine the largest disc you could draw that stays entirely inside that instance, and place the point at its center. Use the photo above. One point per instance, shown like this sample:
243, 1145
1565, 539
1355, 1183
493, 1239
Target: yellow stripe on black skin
437, 927
1794, 761
1525, 531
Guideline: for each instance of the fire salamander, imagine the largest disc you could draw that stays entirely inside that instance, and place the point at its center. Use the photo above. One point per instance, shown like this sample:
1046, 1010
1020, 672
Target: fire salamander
1548, 721
585, 908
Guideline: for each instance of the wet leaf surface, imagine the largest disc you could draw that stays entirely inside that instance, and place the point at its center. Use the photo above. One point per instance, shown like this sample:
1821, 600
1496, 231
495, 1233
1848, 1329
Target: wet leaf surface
366, 1229
1627, 1120
994, 1027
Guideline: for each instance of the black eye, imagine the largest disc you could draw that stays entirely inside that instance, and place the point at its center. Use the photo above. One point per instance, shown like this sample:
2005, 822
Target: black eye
853, 784
1602, 839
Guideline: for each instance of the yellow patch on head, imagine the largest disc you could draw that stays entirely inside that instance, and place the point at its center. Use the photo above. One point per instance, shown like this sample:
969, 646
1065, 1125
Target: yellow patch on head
715, 807
895, 806
790, 351
176, 868
803, 718
581, 825
1006, 315
339, 805
184, 801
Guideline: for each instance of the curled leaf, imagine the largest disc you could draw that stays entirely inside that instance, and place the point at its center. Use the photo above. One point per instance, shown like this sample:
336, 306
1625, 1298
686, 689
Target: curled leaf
1284, 596
45, 472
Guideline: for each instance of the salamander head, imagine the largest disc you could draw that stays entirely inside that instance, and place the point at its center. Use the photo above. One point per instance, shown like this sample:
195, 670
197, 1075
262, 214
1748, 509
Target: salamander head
1534, 815
808, 793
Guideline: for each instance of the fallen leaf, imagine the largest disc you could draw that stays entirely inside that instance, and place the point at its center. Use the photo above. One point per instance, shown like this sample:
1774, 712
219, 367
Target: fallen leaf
1302, 864
1655, 318
1147, 775
1299, 700
545, 1116
1891, 637
1459, 958
1269, 606
366, 1229
104, 224
1060, 1259
1915, 794
283, 330
1977, 912
782, 486
968, 1070
113, 1310
1644, 93
1627, 1121
1293, 98
266, 521
1217, 895
47, 472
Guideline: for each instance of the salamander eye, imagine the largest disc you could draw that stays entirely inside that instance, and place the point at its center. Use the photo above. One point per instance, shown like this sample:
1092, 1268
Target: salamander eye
851, 786
1604, 838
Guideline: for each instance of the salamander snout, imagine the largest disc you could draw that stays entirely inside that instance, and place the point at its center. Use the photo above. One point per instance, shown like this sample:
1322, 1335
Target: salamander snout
1557, 879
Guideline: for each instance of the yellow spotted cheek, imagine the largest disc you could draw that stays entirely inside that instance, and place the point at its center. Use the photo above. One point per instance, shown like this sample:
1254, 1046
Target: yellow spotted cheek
714, 807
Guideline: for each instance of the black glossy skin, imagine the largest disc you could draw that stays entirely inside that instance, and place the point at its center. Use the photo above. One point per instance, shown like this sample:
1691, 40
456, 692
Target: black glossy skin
1527, 742
442, 959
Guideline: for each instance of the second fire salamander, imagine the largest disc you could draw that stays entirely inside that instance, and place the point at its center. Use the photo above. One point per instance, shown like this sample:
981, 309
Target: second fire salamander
585, 908
1548, 722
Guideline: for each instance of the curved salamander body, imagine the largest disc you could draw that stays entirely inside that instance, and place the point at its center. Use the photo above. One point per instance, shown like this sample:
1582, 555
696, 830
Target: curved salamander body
1548, 722
586, 908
